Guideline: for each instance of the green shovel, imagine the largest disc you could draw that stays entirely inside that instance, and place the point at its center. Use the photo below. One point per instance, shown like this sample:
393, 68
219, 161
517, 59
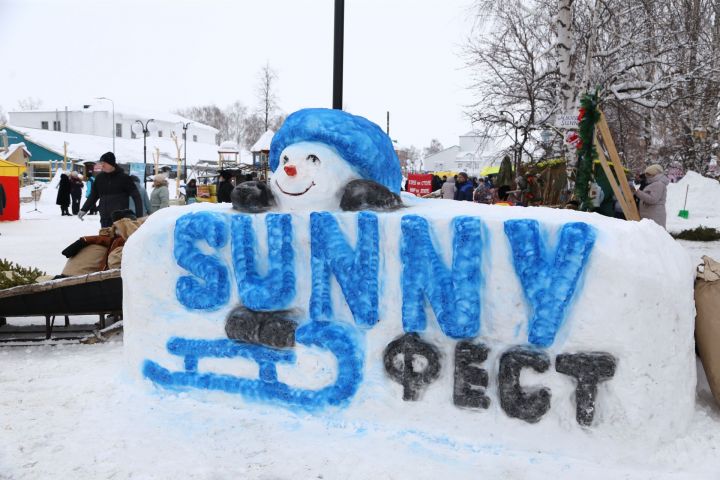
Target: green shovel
684, 213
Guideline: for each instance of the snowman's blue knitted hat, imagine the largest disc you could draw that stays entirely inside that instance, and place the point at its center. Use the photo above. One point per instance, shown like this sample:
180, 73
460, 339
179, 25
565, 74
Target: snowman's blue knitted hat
356, 139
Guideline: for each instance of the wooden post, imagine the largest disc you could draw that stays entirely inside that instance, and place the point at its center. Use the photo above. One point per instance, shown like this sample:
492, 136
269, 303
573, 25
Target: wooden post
156, 157
179, 165
65, 144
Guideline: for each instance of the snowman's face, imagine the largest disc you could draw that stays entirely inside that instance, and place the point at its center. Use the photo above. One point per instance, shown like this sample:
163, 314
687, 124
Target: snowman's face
310, 176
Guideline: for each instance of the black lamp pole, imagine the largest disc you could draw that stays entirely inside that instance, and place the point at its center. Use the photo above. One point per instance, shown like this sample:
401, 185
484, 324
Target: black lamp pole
185, 127
338, 54
145, 135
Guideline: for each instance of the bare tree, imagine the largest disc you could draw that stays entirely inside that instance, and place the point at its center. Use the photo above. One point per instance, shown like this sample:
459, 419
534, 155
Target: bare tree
29, 103
236, 114
434, 147
656, 66
266, 94
3, 116
209, 115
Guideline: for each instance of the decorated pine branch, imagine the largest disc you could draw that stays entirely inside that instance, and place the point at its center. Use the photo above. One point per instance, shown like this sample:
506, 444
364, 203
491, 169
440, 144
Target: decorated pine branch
588, 118
12, 274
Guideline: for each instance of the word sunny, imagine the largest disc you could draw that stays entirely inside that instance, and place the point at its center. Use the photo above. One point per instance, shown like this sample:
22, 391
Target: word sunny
269, 323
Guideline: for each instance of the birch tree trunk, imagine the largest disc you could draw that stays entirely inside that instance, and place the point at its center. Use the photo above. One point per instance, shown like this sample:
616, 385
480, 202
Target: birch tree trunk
565, 50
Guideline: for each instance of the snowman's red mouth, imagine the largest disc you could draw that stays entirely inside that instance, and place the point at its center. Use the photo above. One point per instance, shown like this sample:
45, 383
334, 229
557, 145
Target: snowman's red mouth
312, 184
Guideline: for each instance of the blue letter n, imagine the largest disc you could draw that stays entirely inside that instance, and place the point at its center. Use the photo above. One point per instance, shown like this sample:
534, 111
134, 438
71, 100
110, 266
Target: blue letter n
356, 271
549, 287
453, 294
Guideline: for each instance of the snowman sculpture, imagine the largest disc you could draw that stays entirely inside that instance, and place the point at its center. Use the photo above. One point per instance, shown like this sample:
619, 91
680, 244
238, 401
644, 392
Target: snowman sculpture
321, 160
325, 159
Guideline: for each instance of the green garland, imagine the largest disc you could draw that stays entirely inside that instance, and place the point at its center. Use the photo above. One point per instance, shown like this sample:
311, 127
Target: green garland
588, 117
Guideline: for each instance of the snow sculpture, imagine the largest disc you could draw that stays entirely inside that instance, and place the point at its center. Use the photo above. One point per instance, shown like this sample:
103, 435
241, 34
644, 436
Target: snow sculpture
322, 159
322, 292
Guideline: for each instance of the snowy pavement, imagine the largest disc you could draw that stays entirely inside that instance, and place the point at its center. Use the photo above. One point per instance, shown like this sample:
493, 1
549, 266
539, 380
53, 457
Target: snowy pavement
70, 411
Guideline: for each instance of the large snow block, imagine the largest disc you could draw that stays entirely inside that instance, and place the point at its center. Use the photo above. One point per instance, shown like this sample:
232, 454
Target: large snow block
445, 317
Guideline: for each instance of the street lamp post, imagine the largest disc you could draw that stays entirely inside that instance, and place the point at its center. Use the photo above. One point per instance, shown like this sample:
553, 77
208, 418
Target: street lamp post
185, 127
139, 127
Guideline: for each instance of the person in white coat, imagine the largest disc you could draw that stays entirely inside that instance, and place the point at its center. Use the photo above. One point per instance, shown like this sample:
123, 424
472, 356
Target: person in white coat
160, 196
653, 197
448, 189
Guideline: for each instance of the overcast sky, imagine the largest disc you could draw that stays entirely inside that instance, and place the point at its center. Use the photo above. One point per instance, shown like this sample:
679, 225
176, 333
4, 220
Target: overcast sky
400, 55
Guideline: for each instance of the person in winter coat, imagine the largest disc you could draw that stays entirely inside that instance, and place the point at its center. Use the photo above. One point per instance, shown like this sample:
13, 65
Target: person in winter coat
3, 199
160, 196
113, 188
652, 198
76, 186
63, 195
225, 187
191, 192
464, 188
88, 191
448, 189
143, 194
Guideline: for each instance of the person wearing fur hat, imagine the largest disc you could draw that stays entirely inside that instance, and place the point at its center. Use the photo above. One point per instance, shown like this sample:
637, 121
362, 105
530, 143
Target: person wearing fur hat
63, 195
652, 198
160, 196
76, 187
113, 188
224, 187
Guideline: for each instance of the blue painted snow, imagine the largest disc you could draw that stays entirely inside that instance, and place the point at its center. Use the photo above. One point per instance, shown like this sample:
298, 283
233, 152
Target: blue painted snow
276, 289
360, 142
342, 340
208, 288
454, 295
549, 287
355, 270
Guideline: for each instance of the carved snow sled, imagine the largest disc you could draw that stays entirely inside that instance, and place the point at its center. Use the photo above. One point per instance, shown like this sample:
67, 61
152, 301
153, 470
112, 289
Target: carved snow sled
336, 338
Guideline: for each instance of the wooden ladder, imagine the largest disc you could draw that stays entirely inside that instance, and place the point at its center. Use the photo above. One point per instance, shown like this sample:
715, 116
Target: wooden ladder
616, 175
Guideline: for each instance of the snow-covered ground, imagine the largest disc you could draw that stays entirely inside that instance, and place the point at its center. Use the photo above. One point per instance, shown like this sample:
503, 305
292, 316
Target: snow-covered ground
69, 411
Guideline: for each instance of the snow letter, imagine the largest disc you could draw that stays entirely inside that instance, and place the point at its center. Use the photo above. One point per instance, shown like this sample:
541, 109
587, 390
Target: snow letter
276, 289
453, 294
514, 400
214, 289
589, 369
356, 271
549, 287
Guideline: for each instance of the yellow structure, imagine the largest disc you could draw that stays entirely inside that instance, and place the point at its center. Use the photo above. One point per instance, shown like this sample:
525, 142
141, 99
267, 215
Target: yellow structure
10, 169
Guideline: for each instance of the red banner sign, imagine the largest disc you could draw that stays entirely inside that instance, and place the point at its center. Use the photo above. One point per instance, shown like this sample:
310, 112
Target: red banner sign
419, 184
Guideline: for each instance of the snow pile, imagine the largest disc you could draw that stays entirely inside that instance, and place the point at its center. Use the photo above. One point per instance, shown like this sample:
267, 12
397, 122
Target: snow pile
703, 202
410, 366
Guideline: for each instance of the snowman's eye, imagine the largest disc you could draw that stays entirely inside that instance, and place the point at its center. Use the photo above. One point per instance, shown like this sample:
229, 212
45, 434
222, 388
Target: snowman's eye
285, 159
313, 158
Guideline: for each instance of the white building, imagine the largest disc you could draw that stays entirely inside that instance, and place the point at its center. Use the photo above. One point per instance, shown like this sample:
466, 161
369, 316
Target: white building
98, 120
474, 153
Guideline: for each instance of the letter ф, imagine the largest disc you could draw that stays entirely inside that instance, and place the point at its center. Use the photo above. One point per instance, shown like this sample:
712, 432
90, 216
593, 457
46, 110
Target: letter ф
412, 363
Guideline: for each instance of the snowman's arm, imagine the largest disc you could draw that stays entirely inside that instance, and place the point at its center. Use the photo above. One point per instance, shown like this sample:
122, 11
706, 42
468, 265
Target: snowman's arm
369, 195
252, 197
